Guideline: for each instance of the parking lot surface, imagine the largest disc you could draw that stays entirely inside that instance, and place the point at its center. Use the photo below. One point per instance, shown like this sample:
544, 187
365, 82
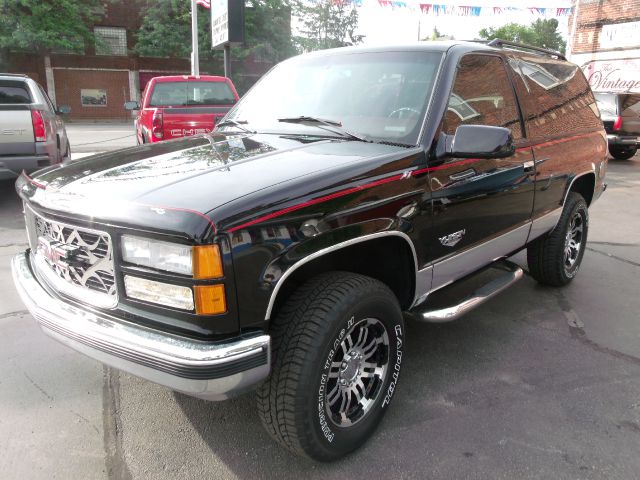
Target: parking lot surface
536, 383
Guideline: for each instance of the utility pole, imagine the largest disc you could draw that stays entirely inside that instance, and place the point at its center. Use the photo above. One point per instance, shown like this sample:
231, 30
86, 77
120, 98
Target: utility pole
195, 61
227, 60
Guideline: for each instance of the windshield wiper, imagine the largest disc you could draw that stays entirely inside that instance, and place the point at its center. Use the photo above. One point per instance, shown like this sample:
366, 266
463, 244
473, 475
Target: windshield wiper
235, 123
329, 125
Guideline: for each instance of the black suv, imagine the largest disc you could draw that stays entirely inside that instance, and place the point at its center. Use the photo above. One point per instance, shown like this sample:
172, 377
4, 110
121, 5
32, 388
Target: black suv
620, 113
340, 196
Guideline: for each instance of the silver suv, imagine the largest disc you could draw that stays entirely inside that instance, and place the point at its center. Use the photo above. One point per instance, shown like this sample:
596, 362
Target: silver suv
32, 134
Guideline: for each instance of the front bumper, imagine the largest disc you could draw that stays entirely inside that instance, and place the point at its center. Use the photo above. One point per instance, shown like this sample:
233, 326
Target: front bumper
212, 371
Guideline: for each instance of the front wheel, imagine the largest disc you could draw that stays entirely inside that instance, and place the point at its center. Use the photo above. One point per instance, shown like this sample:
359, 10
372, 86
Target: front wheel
555, 258
338, 345
623, 153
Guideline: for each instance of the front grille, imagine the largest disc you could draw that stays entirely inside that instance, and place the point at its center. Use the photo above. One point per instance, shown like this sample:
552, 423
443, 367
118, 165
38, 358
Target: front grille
80, 259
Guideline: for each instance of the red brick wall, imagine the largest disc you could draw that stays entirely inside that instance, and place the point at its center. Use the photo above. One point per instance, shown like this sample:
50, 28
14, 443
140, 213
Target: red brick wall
70, 82
592, 14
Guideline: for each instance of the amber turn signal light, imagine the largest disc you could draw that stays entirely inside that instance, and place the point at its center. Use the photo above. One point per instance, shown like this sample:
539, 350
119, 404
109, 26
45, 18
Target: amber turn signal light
207, 262
210, 299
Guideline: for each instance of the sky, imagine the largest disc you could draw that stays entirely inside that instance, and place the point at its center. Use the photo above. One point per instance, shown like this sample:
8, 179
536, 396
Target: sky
384, 25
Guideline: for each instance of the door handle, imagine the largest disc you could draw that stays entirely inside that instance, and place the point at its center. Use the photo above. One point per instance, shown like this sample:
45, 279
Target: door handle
531, 164
462, 175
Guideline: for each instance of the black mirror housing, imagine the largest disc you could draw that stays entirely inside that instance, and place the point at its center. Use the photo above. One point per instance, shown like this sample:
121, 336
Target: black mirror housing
64, 109
481, 141
132, 105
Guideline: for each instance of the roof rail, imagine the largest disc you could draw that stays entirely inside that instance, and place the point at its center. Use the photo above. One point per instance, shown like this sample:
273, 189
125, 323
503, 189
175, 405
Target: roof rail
499, 43
13, 75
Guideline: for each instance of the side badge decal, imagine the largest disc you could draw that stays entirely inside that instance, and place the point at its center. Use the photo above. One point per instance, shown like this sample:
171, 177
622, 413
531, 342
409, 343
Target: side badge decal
453, 238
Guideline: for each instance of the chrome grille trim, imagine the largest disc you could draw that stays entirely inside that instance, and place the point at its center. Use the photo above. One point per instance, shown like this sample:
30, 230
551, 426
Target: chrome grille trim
93, 281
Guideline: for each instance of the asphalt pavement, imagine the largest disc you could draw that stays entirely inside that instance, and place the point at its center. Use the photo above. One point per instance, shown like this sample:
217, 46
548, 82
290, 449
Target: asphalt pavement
99, 137
536, 383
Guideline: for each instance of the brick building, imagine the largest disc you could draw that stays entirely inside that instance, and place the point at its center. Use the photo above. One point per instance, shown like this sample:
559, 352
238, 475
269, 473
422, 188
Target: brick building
97, 83
604, 40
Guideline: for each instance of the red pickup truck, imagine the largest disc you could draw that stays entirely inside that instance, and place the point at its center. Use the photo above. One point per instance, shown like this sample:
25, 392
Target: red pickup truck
180, 106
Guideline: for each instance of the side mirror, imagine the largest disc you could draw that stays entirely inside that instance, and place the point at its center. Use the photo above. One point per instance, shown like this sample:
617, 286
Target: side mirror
63, 109
481, 141
132, 105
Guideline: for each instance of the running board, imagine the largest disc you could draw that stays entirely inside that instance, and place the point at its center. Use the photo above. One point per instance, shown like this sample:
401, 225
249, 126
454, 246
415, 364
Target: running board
512, 274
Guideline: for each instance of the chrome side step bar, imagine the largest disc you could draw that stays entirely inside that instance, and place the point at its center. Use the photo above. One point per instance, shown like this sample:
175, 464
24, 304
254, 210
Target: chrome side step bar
512, 274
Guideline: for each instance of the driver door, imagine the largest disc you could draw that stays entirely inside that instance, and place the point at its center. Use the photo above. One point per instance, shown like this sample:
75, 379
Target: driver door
481, 207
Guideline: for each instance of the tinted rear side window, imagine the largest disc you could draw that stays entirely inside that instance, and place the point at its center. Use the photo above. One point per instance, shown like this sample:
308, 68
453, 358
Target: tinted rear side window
180, 94
12, 92
556, 98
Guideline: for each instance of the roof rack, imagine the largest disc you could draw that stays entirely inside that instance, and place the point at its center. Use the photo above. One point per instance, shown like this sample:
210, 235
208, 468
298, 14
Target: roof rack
13, 75
499, 43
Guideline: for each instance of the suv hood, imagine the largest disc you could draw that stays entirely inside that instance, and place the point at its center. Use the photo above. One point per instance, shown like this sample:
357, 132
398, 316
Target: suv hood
194, 175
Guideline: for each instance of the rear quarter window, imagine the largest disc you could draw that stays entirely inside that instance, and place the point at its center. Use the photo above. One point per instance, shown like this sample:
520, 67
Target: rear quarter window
181, 94
555, 96
13, 92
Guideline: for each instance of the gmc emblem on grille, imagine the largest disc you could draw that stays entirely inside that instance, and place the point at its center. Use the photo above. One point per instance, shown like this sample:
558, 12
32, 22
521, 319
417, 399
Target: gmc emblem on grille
57, 254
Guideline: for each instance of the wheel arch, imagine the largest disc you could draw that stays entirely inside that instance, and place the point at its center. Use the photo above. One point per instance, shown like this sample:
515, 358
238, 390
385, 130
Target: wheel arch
396, 268
584, 184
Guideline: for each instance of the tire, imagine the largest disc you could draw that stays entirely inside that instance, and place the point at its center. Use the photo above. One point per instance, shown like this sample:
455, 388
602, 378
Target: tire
555, 258
299, 403
623, 153
67, 155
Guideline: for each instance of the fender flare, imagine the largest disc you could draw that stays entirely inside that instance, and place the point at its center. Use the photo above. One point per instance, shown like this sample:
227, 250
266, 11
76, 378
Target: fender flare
324, 251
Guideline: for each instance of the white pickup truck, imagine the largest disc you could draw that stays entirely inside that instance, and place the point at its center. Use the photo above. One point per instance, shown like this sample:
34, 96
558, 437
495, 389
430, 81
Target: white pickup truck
32, 134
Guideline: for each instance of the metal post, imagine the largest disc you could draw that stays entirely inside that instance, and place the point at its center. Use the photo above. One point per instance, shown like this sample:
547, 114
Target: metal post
227, 60
195, 62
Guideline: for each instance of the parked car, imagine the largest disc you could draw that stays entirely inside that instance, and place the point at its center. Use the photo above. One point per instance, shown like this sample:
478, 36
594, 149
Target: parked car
32, 133
346, 191
181, 106
620, 115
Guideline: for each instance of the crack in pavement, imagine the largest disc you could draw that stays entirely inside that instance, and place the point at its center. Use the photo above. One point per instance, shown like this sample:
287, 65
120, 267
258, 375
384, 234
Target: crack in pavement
40, 389
577, 331
112, 424
11, 314
610, 255
615, 244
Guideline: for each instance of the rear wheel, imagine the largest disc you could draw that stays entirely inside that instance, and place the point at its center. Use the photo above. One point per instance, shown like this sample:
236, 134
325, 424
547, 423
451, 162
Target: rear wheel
555, 258
623, 153
338, 344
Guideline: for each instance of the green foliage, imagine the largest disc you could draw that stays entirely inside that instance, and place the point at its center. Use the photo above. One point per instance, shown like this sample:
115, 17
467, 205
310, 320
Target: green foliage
541, 33
42, 26
166, 31
327, 24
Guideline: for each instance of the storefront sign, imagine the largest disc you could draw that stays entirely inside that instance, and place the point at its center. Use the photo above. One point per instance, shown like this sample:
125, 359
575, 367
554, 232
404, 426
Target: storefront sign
620, 35
614, 75
227, 22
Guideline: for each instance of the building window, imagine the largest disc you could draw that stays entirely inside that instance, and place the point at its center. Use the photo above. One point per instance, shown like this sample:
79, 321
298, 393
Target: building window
110, 40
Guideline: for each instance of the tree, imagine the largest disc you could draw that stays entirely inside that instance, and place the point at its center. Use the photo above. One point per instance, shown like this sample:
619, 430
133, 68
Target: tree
541, 33
166, 31
43, 26
327, 24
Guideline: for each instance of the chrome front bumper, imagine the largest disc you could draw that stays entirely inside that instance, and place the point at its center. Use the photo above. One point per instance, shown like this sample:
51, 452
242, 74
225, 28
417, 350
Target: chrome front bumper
212, 371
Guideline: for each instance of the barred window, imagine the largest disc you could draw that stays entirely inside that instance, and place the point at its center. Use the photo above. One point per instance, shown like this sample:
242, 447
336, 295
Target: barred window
110, 40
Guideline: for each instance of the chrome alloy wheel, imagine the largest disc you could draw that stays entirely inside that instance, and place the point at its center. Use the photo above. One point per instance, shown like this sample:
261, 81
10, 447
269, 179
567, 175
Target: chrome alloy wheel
358, 370
573, 240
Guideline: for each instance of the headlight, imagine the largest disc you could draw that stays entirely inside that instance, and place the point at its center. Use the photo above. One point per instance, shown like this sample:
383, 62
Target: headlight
157, 292
202, 261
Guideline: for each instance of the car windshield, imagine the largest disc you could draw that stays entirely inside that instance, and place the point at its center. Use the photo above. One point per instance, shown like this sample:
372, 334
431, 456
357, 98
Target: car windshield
380, 96
181, 94
607, 104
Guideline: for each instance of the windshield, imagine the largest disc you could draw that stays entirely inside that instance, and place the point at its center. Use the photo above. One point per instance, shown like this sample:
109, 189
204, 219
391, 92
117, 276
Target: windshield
181, 94
379, 96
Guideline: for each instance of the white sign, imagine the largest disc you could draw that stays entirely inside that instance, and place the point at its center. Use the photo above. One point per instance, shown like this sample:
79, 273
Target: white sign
622, 76
620, 35
219, 22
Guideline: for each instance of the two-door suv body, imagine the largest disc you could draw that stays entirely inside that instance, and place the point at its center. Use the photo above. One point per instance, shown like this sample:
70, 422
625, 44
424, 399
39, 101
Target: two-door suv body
343, 193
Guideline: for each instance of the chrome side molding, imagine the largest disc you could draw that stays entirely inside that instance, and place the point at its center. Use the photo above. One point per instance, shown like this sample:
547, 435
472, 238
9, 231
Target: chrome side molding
512, 274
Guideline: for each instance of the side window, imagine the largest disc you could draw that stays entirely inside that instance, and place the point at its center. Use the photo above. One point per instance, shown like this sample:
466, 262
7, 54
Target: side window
482, 95
555, 96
